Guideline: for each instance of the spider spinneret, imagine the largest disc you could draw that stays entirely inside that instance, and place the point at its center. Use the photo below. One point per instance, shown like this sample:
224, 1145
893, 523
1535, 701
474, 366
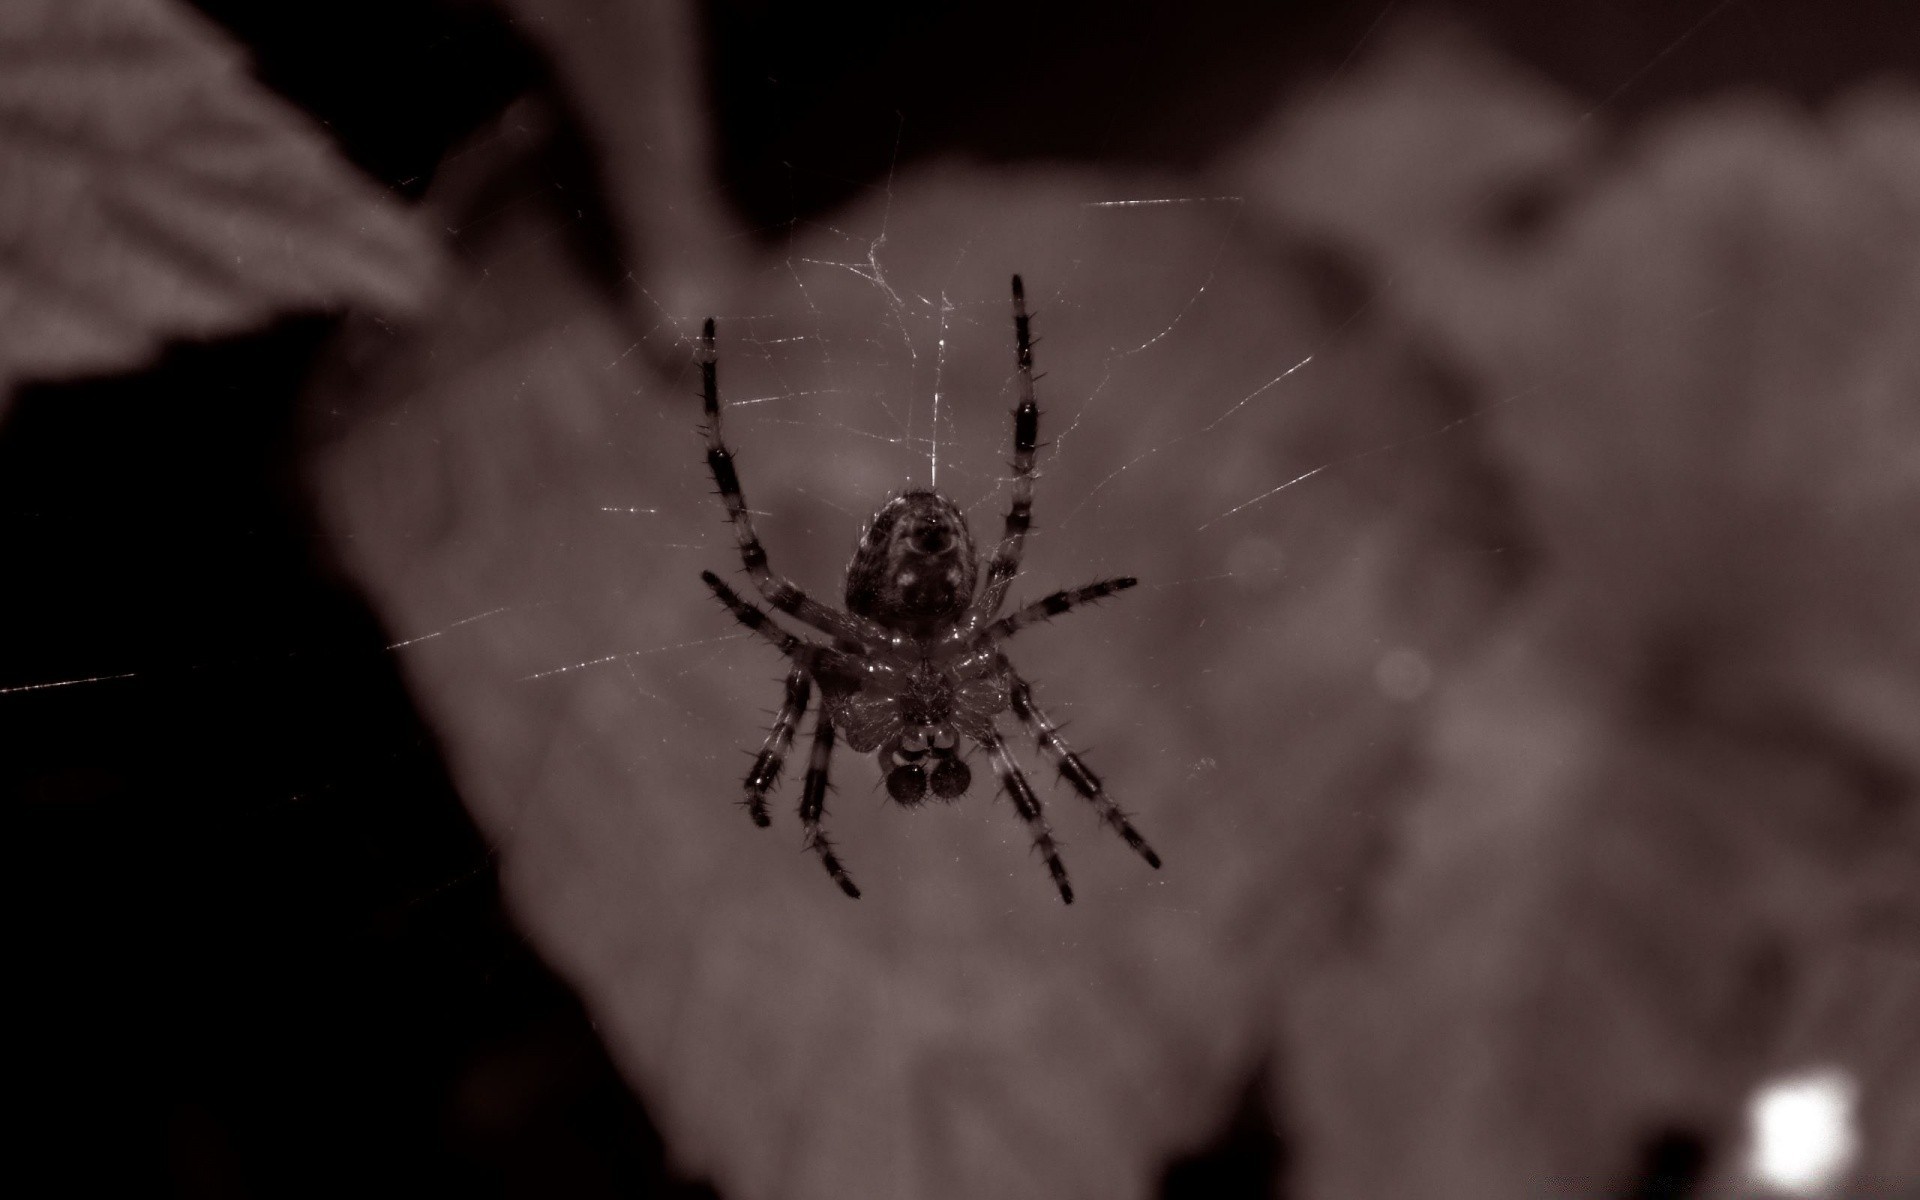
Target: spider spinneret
914, 665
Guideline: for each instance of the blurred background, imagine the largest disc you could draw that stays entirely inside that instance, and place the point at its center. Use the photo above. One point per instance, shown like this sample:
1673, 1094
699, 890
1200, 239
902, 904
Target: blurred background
1537, 793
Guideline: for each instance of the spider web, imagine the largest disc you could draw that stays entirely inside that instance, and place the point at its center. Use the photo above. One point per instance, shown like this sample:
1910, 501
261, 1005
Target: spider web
877, 356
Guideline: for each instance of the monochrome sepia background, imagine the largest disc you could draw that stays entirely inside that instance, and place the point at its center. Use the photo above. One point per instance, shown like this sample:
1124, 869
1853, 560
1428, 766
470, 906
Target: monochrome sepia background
1511, 412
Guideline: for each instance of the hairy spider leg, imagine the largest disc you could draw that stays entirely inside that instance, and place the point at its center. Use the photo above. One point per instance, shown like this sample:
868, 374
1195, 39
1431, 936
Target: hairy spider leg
1047, 608
1027, 804
773, 752
793, 647
813, 803
778, 591
1076, 773
1005, 563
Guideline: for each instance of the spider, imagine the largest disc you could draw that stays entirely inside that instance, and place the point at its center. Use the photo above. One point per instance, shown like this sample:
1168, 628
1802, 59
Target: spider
915, 661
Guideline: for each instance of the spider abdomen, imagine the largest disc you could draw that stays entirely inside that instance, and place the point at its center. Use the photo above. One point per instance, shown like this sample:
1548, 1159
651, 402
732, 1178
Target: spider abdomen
915, 568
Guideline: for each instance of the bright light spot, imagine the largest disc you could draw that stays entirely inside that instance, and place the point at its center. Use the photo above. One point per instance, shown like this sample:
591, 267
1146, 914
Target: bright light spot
1800, 1132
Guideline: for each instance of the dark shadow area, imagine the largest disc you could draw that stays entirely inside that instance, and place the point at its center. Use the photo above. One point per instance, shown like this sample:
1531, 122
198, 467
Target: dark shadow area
816, 102
397, 82
1246, 1161
265, 951
265, 945
1672, 1163
401, 84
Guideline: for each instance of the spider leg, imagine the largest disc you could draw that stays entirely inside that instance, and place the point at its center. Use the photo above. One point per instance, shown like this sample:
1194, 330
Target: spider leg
813, 803
1052, 606
778, 591
1083, 780
793, 647
773, 752
1027, 804
1005, 563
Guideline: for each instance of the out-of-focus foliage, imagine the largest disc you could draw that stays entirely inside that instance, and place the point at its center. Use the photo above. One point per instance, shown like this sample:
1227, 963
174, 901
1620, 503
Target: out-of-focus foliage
1663, 839
149, 189
1534, 775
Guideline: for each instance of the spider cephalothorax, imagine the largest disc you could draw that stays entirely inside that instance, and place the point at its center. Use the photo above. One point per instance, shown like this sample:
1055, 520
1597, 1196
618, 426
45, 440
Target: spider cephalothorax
914, 668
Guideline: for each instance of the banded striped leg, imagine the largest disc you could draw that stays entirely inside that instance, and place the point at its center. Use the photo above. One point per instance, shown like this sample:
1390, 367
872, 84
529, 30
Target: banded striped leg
759, 622
778, 591
773, 752
1028, 806
813, 804
1076, 773
1052, 606
1005, 563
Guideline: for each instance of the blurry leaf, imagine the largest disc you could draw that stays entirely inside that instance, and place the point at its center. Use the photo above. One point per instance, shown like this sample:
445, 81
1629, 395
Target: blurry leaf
152, 189
1663, 840
636, 82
